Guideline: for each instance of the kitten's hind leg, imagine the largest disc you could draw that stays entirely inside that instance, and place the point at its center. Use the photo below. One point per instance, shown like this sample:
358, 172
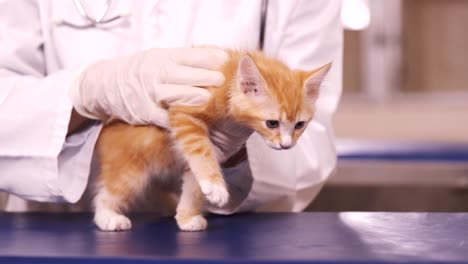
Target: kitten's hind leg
107, 215
189, 210
114, 196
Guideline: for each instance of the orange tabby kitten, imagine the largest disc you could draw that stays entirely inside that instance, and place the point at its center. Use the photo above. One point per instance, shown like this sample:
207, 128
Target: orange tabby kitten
260, 95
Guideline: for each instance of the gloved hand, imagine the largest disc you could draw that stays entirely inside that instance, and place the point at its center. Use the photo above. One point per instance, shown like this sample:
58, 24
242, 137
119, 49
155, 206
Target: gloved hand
132, 88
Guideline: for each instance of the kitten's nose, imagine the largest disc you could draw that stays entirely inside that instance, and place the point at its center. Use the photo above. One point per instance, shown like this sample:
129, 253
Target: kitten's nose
286, 141
285, 146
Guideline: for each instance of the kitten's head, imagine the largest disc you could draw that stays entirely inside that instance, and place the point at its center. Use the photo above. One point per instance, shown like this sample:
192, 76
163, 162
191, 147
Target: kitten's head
273, 100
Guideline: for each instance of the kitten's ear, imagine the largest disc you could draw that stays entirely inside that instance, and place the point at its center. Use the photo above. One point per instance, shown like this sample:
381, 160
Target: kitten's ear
314, 80
249, 79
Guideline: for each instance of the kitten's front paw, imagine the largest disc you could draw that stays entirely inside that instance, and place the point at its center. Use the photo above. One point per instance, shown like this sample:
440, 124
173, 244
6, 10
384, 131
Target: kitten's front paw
112, 222
215, 192
194, 223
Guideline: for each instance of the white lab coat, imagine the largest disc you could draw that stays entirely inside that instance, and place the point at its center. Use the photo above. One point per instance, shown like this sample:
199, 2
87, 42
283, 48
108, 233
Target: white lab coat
39, 59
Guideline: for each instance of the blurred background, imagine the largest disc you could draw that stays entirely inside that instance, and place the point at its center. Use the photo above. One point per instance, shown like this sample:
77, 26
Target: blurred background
402, 125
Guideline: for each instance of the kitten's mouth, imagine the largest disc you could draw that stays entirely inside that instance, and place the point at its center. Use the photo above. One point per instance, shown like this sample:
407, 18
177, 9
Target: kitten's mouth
273, 145
278, 146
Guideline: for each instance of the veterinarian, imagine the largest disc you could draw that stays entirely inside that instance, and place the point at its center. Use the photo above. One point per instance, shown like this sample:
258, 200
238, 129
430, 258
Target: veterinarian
59, 63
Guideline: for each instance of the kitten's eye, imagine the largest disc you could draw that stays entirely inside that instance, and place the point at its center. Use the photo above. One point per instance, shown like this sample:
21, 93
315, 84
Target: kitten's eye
299, 125
272, 123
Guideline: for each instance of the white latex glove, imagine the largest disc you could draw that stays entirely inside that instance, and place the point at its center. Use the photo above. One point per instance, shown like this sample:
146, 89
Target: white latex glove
132, 88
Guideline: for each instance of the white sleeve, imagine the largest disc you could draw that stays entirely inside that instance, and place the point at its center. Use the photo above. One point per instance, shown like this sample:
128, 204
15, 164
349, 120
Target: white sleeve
37, 161
305, 35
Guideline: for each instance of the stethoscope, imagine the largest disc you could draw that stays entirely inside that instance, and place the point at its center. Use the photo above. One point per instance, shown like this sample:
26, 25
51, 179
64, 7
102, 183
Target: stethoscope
99, 20
92, 21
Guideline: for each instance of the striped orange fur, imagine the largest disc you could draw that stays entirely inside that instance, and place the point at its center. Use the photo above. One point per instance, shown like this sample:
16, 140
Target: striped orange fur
259, 93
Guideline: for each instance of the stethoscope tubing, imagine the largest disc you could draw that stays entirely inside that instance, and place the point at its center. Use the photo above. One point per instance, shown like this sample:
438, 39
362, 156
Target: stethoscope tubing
93, 22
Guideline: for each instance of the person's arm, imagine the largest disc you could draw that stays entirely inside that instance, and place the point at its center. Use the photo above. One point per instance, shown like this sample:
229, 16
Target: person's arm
305, 35
37, 159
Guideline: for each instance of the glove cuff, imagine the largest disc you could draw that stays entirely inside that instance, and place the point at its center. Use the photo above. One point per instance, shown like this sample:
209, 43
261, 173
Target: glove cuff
74, 93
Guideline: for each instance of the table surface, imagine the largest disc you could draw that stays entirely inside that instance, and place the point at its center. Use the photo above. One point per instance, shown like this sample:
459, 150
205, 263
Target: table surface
346, 237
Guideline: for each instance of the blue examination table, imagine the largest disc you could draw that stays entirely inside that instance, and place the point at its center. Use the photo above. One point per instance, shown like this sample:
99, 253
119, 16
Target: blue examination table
346, 237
